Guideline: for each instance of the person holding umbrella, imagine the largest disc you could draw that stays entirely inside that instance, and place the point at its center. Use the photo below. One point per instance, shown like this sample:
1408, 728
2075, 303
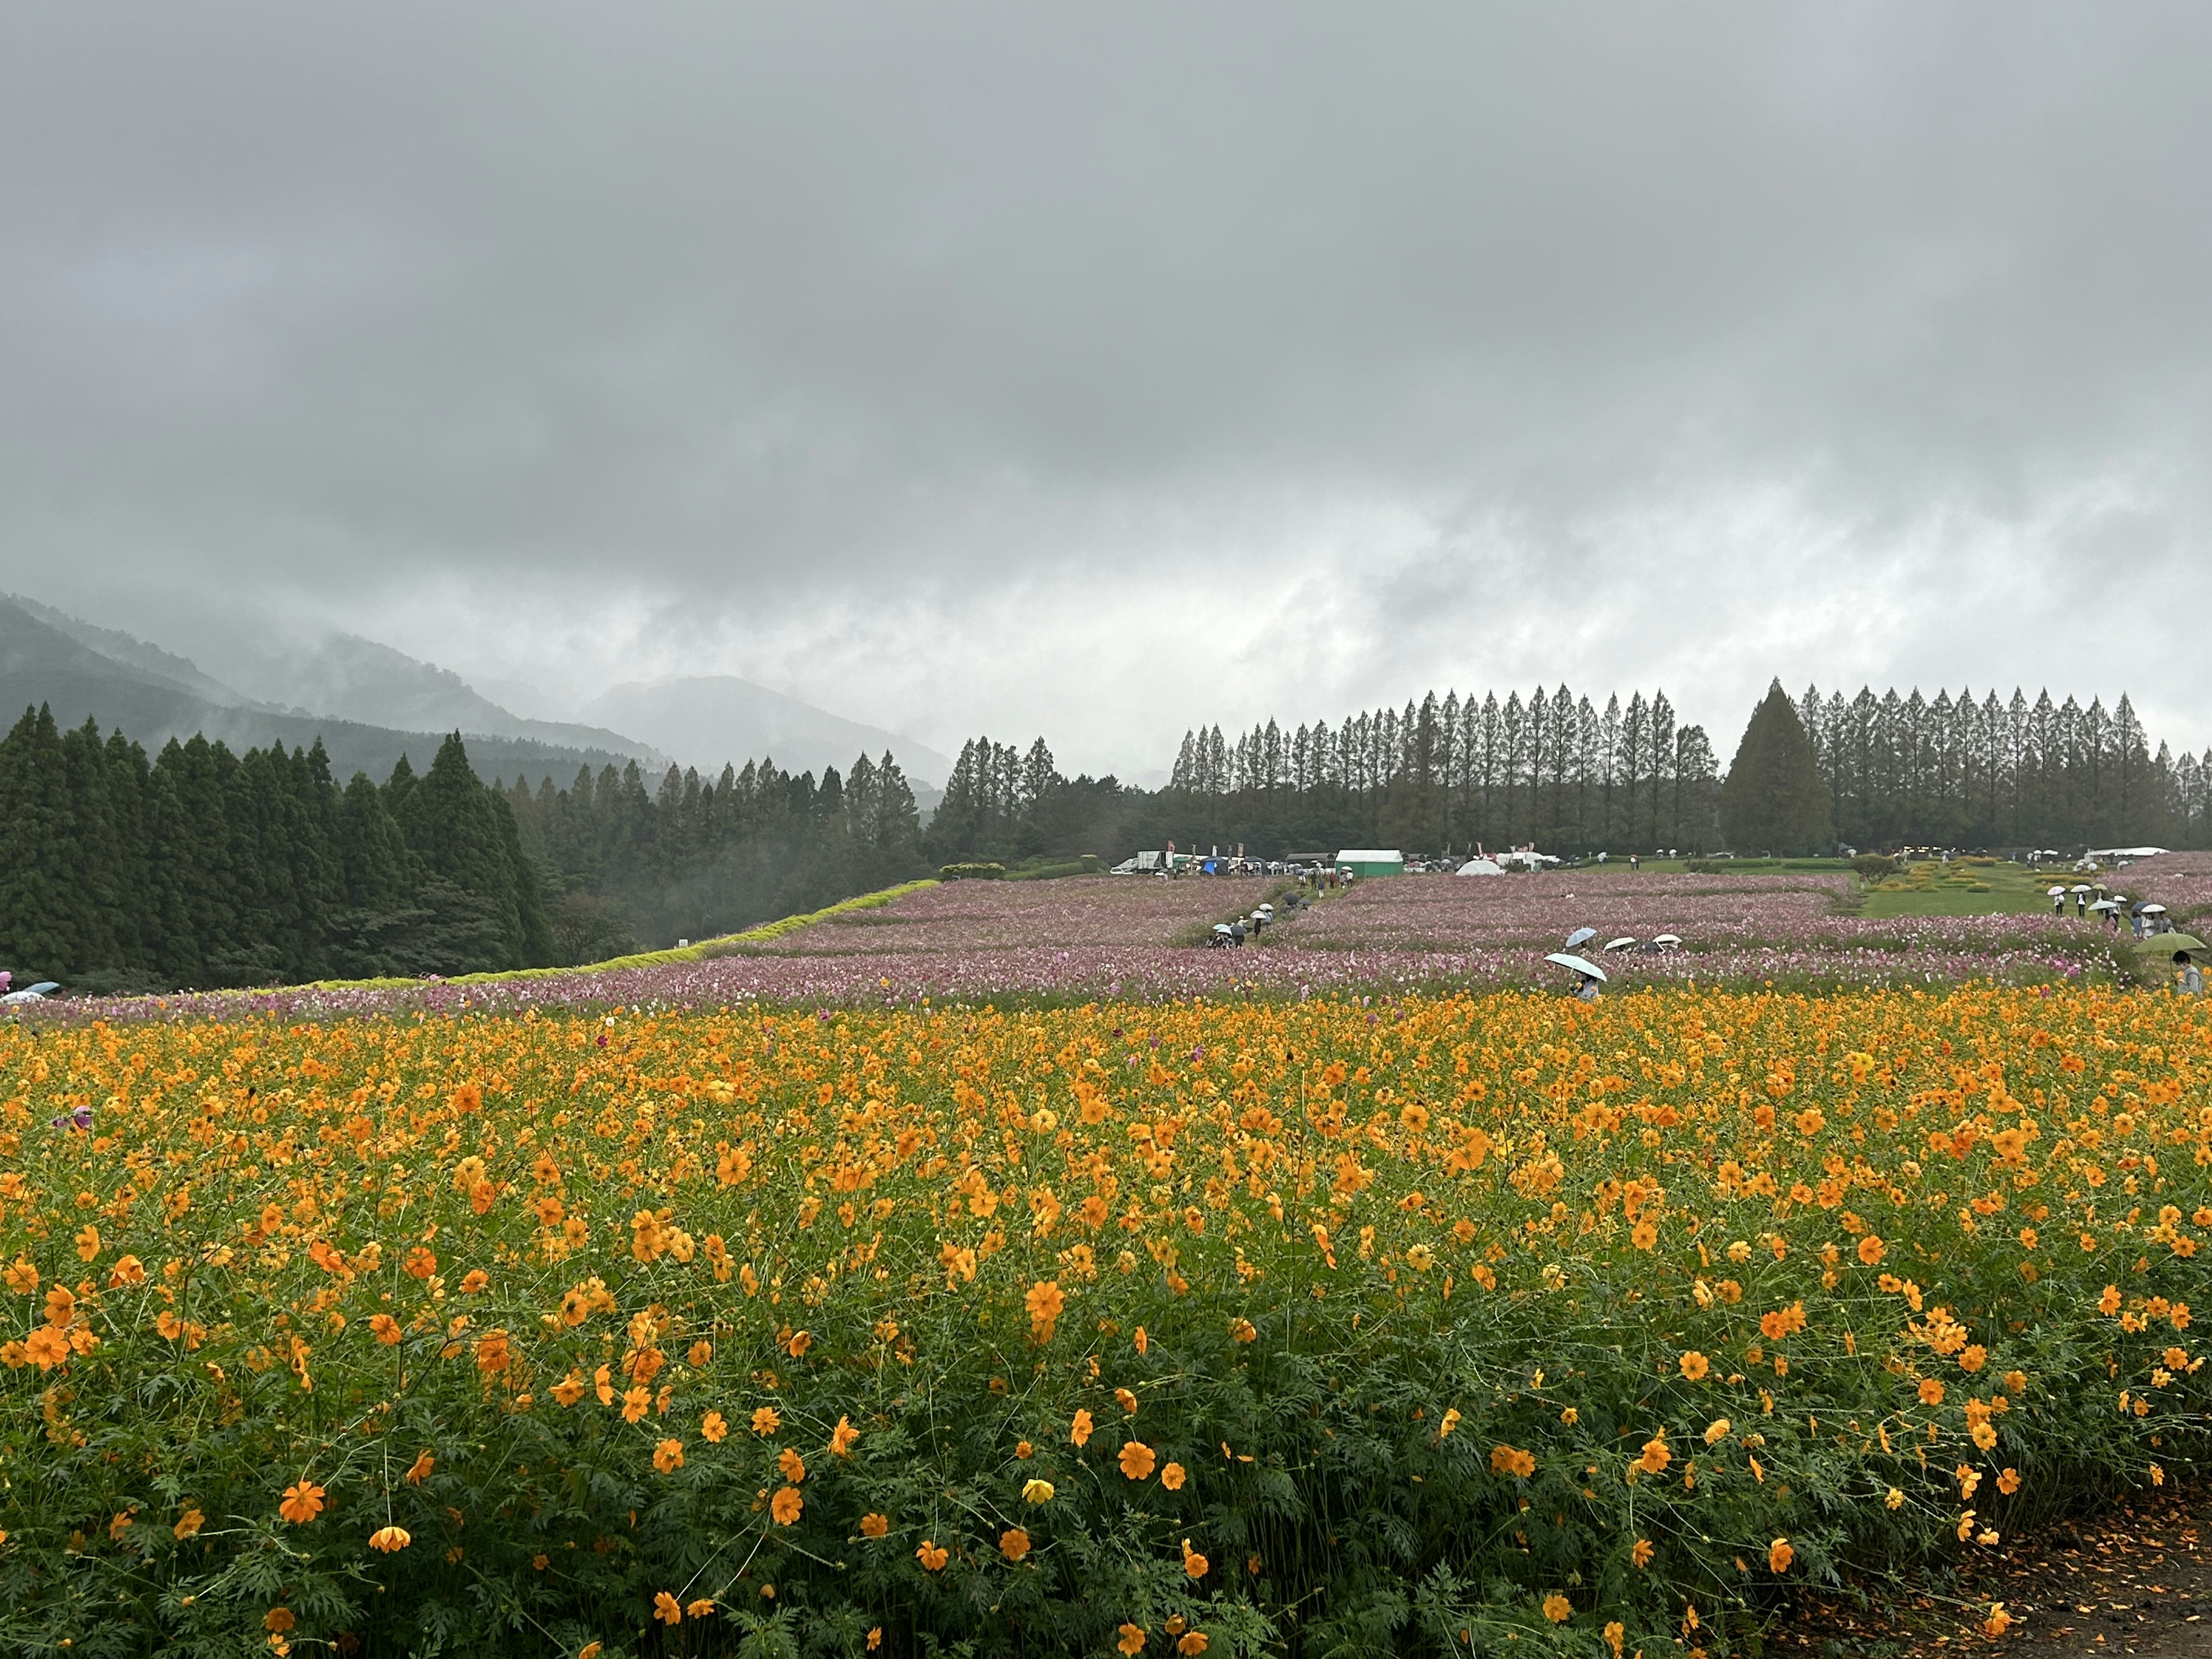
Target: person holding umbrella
1587, 975
2193, 976
2057, 896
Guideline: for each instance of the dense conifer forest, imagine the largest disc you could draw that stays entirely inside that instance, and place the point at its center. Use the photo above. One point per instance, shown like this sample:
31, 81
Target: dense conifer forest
202, 867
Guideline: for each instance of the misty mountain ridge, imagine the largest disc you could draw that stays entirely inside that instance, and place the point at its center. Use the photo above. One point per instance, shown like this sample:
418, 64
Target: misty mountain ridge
82, 672
708, 720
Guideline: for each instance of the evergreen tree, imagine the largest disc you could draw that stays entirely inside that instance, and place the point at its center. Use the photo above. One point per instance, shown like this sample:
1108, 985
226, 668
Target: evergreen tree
1773, 799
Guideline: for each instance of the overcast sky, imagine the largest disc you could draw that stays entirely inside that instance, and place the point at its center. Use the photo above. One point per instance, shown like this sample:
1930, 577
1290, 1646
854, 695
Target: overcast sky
1101, 371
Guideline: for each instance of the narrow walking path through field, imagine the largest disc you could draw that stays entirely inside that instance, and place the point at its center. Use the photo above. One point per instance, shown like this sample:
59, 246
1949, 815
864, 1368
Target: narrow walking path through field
2135, 1579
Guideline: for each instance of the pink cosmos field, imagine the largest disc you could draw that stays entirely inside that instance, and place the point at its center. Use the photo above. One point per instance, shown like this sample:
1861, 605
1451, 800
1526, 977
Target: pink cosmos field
1089, 938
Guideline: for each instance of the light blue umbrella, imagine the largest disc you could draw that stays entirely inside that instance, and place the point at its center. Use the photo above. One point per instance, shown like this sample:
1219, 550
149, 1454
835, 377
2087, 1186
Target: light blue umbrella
1581, 936
1578, 963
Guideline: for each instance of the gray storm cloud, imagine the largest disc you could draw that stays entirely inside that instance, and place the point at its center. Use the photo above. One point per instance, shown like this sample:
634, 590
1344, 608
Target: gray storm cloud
1098, 371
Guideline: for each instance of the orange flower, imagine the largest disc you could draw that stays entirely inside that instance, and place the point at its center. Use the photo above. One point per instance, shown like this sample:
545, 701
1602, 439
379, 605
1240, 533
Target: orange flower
2109, 1303
843, 1438
1193, 1562
1132, 1639
635, 1402
46, 1347
303, 1501
1137, 1459
715, 1427
700, 1608
1143, 1343
1642, 1554
1243, 1330
1081, 1431
701, 1353
1780, 1555
188, 1523
390, 1539
1127, 1401
1999, 1622
1931, 1392
786, 1505
1192, 1643
1695, 1366
1656, 1455
1558, 1608
668, 1456
667, 1609
766, 1421
420, 1469
385, 1329
1871, 1250
1511, 1459
476, 1282
873, 1525
791, 1464
570, 1388
1013, 1543
1172, 1477
279, 1619
1045, 1304
2008, 1482
932, 1557
128, 1271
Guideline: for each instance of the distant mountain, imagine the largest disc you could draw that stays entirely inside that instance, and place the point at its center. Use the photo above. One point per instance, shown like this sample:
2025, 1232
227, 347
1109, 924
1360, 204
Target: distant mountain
708, 720
357, 679
87, 672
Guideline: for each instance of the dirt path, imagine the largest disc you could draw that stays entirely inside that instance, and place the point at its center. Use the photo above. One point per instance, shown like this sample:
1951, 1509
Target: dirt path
2135, 1579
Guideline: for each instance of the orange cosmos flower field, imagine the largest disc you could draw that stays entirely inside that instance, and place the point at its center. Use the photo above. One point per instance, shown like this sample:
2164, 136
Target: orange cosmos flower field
1498, 1324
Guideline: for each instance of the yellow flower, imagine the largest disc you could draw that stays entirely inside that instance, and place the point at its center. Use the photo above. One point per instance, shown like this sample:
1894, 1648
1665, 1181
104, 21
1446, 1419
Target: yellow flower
390, 1539
714, 1428
1037, 1492
668, 1456
766, 1421
1558, 1608
667, 1609
1694, 1365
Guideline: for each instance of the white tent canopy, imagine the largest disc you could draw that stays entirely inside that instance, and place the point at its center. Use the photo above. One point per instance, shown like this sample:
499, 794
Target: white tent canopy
1482, 867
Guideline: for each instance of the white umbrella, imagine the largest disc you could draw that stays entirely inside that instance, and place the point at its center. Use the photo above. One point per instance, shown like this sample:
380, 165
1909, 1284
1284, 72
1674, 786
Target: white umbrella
2152, 909
1581, 936
2057, 892
2082, 887
1666, 938
1577, 963
1621, 944
2105, 904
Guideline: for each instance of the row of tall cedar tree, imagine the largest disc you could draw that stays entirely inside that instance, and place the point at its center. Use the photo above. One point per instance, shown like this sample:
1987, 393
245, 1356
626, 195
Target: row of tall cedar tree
201, 867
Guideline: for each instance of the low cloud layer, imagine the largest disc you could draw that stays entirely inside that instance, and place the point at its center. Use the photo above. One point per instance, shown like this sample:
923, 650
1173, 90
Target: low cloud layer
1101, 371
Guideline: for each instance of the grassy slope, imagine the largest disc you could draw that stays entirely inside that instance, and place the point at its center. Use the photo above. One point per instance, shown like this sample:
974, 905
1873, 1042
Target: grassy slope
2014, 889
699, 952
